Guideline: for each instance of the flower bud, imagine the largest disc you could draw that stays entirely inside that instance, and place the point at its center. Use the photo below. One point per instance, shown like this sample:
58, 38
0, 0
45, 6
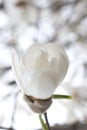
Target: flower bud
40, 70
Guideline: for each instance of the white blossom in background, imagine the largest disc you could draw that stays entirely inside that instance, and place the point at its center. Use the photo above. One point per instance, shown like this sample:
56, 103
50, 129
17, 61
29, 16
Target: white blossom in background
42, 3
3, 19
41, 70
77, 107
76, 85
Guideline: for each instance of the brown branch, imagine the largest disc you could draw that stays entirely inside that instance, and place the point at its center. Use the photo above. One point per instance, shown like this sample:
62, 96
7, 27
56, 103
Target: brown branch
5, 128
47, 122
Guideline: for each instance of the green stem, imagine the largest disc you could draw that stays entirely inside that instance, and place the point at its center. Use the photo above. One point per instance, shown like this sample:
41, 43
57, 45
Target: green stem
44, 127
58, 96
55, 96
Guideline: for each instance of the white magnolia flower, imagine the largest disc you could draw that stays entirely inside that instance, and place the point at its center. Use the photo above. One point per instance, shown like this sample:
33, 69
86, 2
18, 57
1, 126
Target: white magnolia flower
40, 71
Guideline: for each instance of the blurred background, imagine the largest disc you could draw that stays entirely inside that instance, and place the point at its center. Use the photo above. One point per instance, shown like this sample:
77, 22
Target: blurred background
23, 22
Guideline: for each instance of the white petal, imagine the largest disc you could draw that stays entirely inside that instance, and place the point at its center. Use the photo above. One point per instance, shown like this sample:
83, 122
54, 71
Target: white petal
17, 69
57, 53
40, 84
42, 61
31, 55
54, 49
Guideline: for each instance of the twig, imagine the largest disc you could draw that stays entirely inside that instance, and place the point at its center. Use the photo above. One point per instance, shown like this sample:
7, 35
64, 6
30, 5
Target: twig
14, 108
47, 122
3, 128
